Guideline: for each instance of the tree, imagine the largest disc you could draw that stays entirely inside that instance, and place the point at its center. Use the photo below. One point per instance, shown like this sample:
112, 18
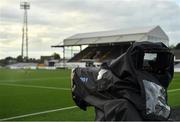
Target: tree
19, 58
56, 56
171, 46
177, 46
8, 60
2, 62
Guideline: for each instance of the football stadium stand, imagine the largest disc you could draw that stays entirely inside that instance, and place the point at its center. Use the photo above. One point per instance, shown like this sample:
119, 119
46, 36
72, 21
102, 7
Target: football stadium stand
100, 53
107, 45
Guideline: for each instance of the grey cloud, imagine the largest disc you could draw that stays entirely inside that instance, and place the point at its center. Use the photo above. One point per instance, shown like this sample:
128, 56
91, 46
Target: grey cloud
115, 14
10, 14
92, 15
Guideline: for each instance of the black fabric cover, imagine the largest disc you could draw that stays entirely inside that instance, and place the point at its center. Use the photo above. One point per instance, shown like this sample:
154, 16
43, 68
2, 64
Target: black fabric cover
116, 90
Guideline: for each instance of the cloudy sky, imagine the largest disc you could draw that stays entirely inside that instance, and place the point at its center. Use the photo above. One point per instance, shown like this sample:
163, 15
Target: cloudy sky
50, 21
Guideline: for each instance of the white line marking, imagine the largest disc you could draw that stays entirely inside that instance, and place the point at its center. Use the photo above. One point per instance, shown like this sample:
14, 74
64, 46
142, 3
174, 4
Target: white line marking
33, 86
173, 90
34, 79
38, 113
56, 88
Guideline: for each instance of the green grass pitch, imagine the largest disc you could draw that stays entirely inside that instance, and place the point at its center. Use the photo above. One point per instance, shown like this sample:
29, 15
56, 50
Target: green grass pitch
24, 92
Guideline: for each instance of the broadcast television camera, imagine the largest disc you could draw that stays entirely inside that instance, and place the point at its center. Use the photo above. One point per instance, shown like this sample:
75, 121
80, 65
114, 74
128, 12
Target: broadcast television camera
131, 87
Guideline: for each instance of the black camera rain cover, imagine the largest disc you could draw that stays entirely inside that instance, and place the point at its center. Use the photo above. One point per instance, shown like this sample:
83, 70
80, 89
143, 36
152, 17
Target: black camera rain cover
134, 85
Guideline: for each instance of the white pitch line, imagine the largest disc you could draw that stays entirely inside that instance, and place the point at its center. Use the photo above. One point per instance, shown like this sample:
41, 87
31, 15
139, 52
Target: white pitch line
173, 90
34, 79
38, 113
33, 86
56, 88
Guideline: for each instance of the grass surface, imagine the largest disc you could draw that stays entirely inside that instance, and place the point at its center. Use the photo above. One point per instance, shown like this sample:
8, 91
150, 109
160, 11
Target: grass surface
30, 91
174, 97
15, 99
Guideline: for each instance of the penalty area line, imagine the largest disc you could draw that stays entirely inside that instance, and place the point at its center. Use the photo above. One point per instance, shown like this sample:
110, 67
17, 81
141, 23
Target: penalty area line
38, 113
